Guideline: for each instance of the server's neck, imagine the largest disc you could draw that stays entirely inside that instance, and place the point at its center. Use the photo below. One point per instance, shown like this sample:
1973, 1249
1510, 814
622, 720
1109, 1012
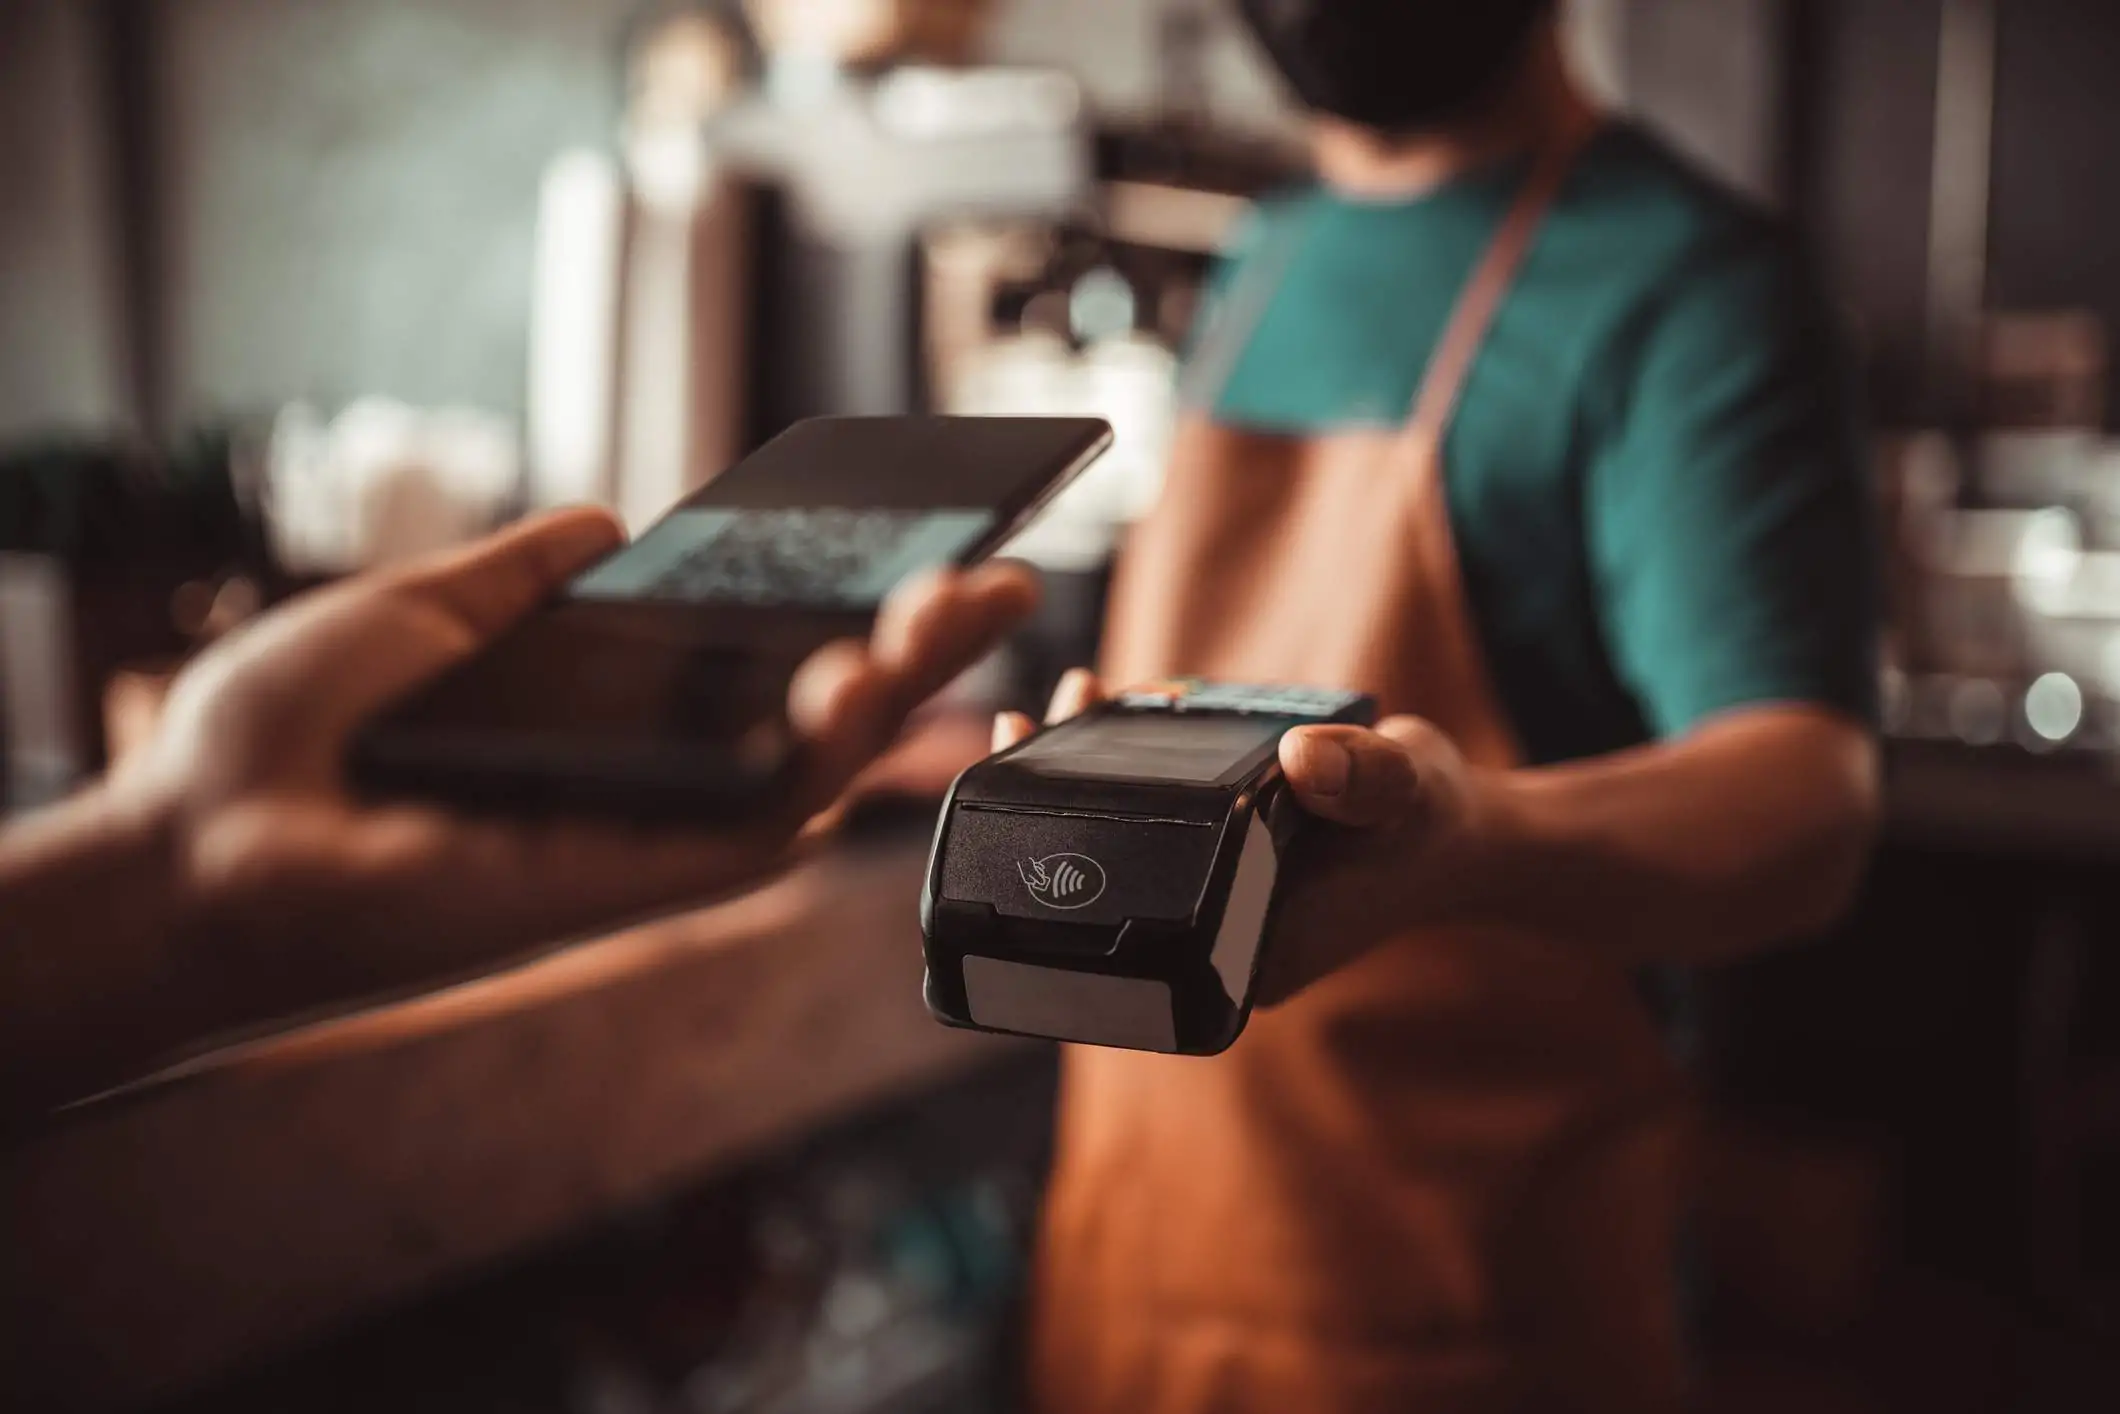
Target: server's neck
1539, 104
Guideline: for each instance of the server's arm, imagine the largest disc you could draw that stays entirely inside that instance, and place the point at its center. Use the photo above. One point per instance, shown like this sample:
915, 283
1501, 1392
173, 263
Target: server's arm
1746, 831
1732, 559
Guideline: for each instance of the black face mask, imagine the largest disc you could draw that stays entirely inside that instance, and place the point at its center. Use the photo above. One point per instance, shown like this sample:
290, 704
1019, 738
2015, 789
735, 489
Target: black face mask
1394, 65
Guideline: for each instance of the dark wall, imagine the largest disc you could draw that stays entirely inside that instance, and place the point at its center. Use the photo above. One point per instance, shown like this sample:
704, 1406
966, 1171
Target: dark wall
2056, 232
1863, 98
1864, 95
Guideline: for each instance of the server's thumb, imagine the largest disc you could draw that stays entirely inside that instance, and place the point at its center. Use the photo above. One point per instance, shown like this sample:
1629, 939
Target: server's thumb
1351, 775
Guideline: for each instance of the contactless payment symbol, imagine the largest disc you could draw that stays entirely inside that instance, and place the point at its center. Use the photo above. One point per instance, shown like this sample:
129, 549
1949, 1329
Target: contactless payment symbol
1063, 880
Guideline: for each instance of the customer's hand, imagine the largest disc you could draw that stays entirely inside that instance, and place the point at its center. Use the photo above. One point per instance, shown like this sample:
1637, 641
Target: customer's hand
1391, 802
290, 880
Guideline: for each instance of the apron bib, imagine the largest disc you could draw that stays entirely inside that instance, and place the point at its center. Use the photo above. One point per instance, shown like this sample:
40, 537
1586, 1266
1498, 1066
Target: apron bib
1446, 1177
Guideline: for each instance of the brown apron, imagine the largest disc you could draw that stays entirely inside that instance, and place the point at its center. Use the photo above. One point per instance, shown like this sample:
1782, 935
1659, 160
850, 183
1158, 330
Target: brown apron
1446, 1177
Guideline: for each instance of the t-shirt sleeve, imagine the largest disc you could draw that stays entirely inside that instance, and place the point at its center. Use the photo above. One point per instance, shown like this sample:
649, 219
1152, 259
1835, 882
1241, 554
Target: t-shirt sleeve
1727, 503
1201, 372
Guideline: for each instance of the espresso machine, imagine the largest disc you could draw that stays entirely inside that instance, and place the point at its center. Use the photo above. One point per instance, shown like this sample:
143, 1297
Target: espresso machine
747, 254
848, 176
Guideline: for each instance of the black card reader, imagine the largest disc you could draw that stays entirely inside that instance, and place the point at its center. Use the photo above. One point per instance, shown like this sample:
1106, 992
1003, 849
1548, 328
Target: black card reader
1110, 880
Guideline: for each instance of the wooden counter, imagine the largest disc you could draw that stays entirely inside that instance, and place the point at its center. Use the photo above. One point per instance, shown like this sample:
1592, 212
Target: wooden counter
288, 1186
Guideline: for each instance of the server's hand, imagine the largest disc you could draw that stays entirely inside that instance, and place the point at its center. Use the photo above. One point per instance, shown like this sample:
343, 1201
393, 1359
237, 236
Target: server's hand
1392, 799
1746, 830
227, 876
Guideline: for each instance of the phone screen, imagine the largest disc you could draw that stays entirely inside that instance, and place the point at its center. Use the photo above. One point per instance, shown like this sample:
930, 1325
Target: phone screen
823, 557
833, 514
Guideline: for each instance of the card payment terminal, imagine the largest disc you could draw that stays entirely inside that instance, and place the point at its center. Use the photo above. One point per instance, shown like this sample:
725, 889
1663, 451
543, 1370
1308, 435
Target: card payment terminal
1110, 880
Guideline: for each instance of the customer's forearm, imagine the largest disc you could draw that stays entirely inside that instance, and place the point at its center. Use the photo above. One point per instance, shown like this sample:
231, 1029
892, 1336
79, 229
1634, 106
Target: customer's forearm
1750, 831
91, 922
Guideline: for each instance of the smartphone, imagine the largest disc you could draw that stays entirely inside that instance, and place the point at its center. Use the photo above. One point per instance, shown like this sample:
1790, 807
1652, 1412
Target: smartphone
654, 684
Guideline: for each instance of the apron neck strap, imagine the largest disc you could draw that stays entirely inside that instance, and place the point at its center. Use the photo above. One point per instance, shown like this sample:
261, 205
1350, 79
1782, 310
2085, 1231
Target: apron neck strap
1483, 294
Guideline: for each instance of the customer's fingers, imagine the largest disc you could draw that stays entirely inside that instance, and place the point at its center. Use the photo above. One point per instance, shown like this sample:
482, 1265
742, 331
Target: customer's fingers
849, 700
1010, 728
817, 691
494, 582
1079, 690
935, 626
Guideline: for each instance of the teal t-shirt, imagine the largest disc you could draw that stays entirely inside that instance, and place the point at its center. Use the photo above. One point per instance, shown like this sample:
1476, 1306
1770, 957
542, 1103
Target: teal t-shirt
1656, 474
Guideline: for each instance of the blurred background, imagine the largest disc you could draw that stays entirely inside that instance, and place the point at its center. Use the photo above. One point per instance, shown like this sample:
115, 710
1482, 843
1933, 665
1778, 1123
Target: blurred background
287, 290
